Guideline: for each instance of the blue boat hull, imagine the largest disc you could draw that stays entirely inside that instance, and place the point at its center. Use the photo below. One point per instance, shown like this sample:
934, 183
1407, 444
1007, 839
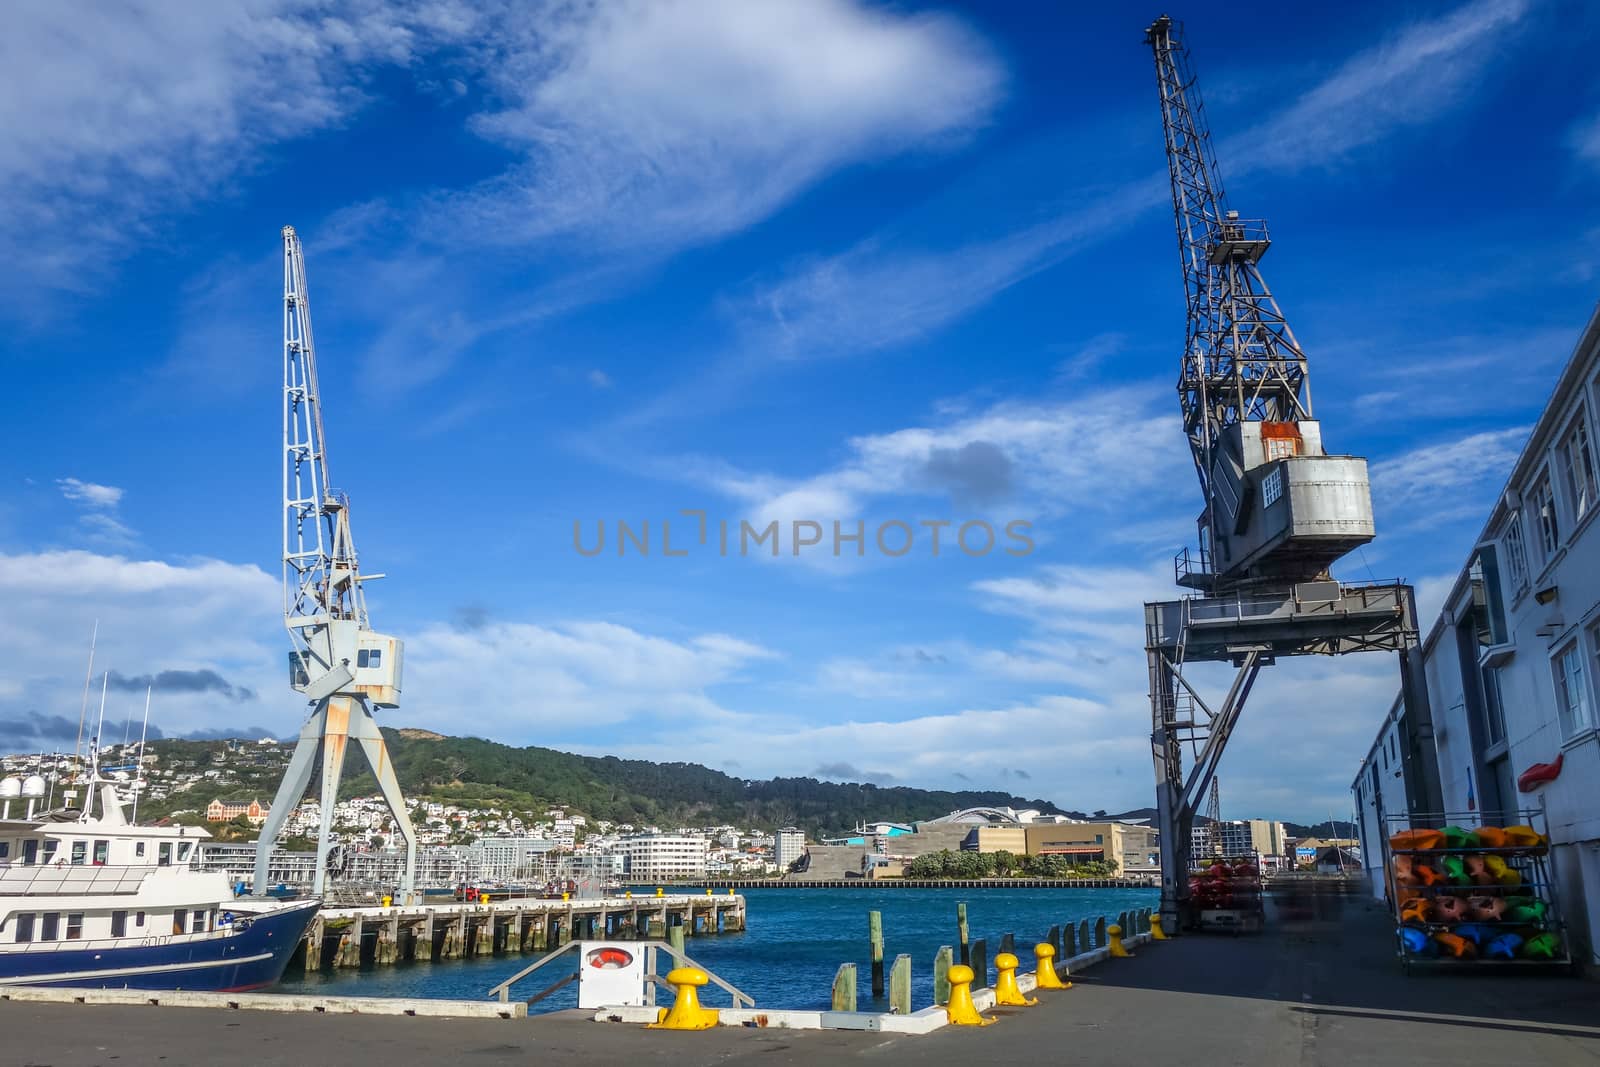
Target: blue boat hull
249, 959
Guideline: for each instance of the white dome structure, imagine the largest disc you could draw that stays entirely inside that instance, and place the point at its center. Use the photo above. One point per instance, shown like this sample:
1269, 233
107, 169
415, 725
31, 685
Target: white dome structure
34, 786
11, 787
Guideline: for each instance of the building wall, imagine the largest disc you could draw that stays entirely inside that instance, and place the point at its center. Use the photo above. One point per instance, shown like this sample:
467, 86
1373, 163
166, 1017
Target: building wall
788, 845
1002, 839
1503, 696
1132, 847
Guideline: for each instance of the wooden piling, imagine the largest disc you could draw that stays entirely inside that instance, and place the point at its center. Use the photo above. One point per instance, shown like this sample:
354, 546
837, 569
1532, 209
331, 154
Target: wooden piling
675, 939
1054, 938
844, 988
1100, 932
1008, 943
875, 937
900, 985
980, 964
941, 974
961, 929
1085, 940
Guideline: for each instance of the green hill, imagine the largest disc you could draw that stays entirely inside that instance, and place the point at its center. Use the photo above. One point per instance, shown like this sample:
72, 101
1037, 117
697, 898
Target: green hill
486, 773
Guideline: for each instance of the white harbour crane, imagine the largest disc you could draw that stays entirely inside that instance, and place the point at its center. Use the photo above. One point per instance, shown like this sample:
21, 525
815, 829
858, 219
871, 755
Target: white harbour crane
340, 664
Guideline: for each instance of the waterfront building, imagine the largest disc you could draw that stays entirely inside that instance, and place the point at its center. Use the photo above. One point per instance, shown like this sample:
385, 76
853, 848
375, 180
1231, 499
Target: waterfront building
662, 857
1134, 847
220, 810
508, 859
789, 844
1013, 839
1507, 678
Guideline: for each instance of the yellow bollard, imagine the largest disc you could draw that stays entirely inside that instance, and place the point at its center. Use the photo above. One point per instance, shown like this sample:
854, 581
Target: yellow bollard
686, 1012
660, 892
730, 890
708, 891
1114, 938
388, 901
566, 896
1045, 953
1005, 983
629, 894
961, 1010
1156, 933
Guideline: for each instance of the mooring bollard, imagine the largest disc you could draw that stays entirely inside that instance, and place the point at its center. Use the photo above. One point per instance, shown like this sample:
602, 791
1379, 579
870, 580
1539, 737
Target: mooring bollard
875, 936
961, 1011
660, 892
844, 988
686, 1012
1005, 983
1044, 954
1114, 937
961, 928
942, 961
1156, 933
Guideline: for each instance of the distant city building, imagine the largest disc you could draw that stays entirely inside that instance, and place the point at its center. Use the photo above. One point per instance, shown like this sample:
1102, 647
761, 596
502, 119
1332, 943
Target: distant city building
1134, 847
789, 844
662, 857
504, 859
220, 810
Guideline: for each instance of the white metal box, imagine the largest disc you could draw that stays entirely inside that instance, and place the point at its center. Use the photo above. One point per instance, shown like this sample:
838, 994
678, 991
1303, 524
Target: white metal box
610, 974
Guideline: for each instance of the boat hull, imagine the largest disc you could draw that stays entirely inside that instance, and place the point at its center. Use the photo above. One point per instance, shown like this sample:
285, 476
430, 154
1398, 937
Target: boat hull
248, 959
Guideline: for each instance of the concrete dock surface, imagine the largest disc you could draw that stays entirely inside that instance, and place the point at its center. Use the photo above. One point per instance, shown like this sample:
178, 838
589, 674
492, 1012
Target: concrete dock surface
1328, 992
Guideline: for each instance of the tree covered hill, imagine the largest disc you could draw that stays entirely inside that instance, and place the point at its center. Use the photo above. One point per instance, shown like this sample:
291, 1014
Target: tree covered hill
474, 771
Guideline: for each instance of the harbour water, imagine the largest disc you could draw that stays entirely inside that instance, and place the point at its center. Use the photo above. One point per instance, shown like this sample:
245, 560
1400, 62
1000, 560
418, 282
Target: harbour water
795, 941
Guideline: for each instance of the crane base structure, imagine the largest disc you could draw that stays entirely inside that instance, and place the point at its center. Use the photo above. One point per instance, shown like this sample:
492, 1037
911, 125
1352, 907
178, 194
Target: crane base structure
336, 722
1249, 629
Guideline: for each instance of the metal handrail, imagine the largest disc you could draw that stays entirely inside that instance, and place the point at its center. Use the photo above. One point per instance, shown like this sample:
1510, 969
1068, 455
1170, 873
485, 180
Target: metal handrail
503, 990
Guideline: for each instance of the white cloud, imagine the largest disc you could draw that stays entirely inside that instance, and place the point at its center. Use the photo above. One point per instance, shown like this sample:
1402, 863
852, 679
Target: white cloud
115, 119
90, 494
879, 294
1584, 139
1456, 472
650, 123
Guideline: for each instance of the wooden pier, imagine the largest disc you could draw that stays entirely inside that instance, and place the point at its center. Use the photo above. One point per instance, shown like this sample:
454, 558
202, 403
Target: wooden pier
342, 937
741, 884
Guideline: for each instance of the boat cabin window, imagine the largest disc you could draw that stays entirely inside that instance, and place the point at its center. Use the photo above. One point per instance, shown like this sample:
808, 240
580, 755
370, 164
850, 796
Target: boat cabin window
50, 847
138, 849
50, 928
5, 850
102, 853
30, 852
74, 925
24, 927
184, 849
80, 852
177, 922
119, 924
164, 854
138, 918
198, 924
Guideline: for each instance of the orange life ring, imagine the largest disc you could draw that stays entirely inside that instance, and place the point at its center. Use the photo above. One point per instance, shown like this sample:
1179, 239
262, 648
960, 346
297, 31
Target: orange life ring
609, 959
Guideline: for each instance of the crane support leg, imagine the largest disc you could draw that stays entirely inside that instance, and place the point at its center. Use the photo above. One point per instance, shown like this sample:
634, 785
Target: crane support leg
290, 790
328, 732
365, 730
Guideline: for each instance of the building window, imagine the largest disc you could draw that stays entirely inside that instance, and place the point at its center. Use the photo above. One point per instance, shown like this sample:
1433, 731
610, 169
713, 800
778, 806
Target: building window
1488, 613
1577, 466
1572, 696
24, 927
1493, 707
1544, 510
1516, 554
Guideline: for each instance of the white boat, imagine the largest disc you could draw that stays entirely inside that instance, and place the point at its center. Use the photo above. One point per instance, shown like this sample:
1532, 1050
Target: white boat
87, 899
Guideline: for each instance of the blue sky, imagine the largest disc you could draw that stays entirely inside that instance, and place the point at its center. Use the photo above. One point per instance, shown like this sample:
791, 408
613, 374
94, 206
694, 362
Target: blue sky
817, 260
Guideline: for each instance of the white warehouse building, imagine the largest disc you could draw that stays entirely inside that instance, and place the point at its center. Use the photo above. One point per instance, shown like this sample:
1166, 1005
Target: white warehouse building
1508, 677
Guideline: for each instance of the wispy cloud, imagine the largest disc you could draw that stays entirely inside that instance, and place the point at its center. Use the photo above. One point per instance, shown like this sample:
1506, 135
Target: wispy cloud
1584, 139
1447, 479
880, 293
89, 493
99, 522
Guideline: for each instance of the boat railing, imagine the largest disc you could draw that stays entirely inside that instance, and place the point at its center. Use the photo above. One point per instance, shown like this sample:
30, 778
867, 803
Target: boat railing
66, 879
